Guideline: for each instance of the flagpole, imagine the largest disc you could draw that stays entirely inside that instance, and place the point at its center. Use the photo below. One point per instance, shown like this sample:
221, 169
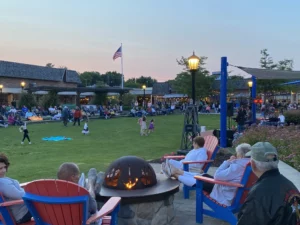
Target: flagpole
122, 83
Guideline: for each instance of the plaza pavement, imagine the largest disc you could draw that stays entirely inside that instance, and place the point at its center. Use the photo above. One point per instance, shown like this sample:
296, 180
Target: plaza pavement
185, 209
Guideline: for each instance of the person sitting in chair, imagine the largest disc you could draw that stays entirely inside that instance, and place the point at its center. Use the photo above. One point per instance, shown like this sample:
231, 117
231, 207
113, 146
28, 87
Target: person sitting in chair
70, 172
230, 170
197, 154
11, 190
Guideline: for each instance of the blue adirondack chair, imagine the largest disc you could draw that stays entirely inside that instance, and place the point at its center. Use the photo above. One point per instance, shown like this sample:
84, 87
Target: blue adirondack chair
58, 202
218, 210
211, 145
5, 216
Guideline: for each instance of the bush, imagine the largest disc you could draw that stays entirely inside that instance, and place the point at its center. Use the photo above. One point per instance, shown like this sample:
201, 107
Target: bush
28, 100
49, 99
100, 99
292, 116
127, 99
285, 139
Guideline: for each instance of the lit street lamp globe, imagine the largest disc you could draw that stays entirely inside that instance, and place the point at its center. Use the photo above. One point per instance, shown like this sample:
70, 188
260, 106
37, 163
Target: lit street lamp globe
193, 62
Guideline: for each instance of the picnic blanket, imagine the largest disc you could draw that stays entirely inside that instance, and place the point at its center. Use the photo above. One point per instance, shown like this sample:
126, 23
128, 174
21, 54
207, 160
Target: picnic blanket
56, 138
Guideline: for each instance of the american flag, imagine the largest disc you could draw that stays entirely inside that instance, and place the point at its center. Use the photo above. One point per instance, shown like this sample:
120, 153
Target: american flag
118, 53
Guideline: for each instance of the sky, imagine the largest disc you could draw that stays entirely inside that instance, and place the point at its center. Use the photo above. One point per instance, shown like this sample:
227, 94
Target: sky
84, 35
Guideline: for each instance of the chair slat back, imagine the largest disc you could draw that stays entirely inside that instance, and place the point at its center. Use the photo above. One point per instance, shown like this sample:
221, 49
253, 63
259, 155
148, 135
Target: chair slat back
5, 216
60, 208
248, 180
211, 143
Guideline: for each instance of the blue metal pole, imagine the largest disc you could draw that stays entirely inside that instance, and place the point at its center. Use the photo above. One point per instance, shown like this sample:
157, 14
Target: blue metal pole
253, 97
223, 102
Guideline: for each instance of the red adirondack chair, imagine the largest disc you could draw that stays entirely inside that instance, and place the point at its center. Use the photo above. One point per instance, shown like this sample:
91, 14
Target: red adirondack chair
218, 210
5, 216
211, 145
57, 202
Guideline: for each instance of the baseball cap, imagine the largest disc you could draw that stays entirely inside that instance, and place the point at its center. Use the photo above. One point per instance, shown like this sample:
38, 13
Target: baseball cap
263, 152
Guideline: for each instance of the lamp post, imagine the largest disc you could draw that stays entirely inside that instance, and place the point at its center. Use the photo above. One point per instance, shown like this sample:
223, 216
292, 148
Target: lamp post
250, 84
1, 87
193, 63
144, 98
23, 85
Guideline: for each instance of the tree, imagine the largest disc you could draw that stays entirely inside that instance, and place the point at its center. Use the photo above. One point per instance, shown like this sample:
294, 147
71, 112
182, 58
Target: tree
28, 100
148, 81
183, 81
63, 67
112, 78
90, 78
50, 99
131, 83
50, 65
266, 62
286, 64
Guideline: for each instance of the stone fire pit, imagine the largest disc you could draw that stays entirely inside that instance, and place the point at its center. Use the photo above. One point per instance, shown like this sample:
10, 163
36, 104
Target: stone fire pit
147, 197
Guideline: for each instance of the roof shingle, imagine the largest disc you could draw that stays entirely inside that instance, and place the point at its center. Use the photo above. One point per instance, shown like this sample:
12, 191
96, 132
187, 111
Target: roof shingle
27, 71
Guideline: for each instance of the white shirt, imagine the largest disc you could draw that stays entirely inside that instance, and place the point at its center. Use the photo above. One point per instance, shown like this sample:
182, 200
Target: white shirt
282, 118
199, 154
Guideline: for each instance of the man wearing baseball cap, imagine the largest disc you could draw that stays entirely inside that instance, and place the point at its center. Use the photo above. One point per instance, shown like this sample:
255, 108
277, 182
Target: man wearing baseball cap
273, 199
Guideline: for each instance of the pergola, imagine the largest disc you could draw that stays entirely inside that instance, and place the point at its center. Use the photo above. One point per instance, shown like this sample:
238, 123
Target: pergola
79, 90
255, 74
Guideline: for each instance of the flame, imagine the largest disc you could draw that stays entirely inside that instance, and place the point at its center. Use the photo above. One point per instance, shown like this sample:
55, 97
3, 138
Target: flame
131, 184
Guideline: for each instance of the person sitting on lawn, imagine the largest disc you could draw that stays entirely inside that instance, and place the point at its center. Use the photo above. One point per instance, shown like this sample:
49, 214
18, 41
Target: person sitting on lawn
197, 154
230, 170
11, 119
70, 172
11, 190
2, 122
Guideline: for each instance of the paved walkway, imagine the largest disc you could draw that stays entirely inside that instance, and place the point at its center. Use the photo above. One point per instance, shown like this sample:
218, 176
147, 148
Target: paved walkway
185, 209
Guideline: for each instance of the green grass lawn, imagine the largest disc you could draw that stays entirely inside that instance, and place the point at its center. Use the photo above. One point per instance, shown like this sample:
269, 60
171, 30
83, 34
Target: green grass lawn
107, 141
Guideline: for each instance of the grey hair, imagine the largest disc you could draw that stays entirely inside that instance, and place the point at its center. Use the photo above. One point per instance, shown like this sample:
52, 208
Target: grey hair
265, 166
242, 149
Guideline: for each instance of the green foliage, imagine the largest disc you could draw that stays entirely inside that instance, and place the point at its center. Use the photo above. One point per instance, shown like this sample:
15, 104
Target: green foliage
127, 99
50, 65
100, 99
285, 139
90, 78
112, 78
148, 81
139, 82
292, 116
266, 62
28, 100
50, 99
183, 81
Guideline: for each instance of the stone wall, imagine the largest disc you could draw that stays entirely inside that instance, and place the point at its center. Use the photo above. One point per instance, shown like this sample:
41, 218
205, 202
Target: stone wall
148, 213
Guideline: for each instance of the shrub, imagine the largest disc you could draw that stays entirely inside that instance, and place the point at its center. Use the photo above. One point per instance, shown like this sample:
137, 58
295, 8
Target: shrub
285, 139
28, 100
292, 116
49, 99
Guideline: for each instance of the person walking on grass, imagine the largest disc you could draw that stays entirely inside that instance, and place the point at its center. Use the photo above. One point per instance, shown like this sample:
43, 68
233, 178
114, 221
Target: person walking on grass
151, 126
25, 133
144, 127
77, 116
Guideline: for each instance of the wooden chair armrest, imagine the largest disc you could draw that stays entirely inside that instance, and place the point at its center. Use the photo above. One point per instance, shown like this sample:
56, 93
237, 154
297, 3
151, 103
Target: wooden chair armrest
24, 184
174, 157
194, 162
213, 181
10, 203
108, 207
